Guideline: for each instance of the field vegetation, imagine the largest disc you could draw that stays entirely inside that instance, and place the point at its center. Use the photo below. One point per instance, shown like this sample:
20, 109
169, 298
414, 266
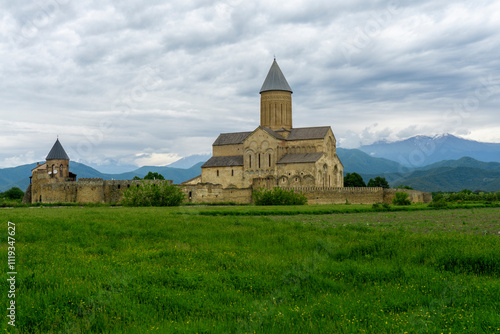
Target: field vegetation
204, 270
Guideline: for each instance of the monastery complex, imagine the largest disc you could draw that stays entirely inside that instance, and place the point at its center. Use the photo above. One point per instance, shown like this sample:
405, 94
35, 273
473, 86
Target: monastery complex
275, 154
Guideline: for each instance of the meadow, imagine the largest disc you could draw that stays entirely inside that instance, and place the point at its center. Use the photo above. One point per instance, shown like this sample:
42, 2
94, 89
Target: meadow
313, 269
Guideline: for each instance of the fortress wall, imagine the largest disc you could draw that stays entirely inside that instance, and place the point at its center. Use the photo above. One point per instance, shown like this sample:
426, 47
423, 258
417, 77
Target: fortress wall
89, 191
114, 189
319, 195
64, 192
214, 193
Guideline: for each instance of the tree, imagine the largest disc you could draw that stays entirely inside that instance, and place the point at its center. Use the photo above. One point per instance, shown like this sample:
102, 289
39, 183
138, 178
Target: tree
354, 180
154, 176
136, 178
401, 198
378, 182
14, 193
153, 194
401, 186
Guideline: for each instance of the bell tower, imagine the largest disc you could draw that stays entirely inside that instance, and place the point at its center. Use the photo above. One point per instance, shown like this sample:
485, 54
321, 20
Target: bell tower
57, 161
276, 100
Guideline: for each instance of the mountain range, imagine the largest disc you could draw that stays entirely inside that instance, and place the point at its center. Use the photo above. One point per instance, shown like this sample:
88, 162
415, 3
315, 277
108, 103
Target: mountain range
421, 151
454, 174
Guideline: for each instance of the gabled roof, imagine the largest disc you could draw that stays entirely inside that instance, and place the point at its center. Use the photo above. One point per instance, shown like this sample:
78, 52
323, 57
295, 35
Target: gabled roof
275, 80
57, 152
227, 161
231, 138
272, 133
300, 158
308, 133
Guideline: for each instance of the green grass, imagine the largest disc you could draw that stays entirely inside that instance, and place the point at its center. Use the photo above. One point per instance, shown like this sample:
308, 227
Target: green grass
201, 270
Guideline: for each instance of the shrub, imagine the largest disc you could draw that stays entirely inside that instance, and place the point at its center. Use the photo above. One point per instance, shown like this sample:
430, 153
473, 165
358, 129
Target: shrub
401, 198
278, 196
439, 203
153, 194
381, 207
13, 193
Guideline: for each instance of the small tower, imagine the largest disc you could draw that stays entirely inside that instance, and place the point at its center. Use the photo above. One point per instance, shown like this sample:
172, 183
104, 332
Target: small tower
57, 161
276, 100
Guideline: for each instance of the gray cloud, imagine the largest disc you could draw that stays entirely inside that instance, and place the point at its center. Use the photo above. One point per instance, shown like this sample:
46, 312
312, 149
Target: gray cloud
132, 81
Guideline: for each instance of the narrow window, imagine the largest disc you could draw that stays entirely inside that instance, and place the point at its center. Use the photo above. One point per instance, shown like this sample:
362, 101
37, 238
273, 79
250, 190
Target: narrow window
190, 194
232, 172
269, 160
250, 160
119, 186
217, 172
259, 160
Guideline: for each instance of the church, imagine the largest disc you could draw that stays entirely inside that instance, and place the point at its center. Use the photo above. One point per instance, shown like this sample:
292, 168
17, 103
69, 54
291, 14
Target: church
275, 153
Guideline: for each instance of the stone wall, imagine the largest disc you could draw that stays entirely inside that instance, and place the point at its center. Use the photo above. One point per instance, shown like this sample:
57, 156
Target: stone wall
319, 195
215, 193
89, 190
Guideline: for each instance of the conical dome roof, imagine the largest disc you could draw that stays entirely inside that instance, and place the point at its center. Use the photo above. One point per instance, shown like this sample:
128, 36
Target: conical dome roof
275, 80
57, 152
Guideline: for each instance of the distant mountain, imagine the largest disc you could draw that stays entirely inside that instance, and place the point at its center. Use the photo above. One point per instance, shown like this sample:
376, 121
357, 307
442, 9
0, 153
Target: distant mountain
361, 163
19, 176
451, 179
421, 151
15, 177
190, 161
464, 162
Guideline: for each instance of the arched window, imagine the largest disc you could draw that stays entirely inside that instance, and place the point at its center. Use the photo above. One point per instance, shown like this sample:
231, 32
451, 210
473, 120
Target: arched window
250, 160
269, 160
61, 170
259, 160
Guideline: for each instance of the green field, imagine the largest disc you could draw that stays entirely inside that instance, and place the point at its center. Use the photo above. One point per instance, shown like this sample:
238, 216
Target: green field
253, 269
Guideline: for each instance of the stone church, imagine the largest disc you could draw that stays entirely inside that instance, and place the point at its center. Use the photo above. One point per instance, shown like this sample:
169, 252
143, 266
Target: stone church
275, 153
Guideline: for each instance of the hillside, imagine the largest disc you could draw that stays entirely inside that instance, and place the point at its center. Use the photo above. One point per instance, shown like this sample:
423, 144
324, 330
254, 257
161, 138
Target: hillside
360, 162
421, 151
444, 179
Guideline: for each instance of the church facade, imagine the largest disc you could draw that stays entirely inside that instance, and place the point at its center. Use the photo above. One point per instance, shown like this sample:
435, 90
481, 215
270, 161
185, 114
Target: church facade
275, 153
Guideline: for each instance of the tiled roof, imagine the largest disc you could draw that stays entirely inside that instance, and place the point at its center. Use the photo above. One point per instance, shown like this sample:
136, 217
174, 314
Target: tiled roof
272, 133
300, 158
227, 161
275, 80
231, 138
308, 133
57, 152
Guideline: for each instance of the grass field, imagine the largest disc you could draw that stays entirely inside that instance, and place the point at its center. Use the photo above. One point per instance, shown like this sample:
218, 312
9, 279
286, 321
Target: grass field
248, 269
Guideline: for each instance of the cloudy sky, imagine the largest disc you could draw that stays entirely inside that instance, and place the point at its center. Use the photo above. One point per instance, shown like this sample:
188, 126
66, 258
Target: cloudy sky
146, 82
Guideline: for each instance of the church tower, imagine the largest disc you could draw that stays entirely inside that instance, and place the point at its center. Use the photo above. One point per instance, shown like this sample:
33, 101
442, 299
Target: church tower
276, 100
57, 161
